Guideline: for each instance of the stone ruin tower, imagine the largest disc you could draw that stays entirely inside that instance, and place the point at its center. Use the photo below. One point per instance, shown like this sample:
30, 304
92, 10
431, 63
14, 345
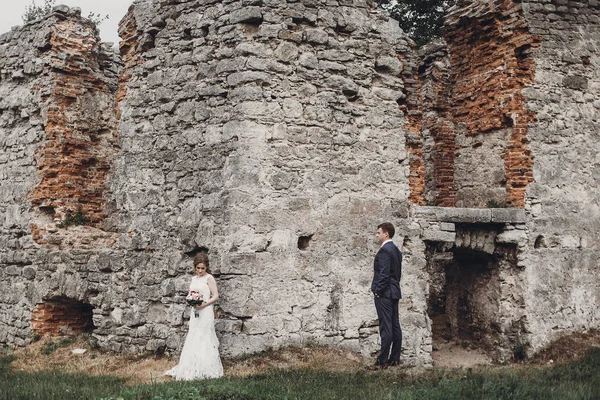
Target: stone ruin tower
276, 136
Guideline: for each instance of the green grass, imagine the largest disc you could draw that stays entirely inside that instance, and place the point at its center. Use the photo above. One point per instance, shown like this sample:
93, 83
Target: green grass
52, 346
577, 380
53, 385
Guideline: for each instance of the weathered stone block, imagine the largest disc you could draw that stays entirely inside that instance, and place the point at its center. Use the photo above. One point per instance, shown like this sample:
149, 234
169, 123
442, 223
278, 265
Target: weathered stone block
286, 52
316, 36
508, 215
439, 236
513, 236
12, 217
251, 14
63, 9
576, 82
447, 226
389, 65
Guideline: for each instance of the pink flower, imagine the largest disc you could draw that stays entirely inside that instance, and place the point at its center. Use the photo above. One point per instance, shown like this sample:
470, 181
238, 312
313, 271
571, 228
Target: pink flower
194, 298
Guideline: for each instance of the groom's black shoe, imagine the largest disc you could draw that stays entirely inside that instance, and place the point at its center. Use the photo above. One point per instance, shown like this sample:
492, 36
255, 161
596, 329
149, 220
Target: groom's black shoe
376, 367
394, 363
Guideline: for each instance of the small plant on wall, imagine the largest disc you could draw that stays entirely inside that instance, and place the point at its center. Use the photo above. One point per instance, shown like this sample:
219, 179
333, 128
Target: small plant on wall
33, 12
73, 219
495, 204
520, 351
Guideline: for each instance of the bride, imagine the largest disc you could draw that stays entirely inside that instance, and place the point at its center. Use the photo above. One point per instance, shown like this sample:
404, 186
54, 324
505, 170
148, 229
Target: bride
200, 354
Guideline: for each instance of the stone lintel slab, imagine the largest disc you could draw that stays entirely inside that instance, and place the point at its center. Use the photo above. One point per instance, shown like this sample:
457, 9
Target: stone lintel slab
508, 215
469, 215
453, 214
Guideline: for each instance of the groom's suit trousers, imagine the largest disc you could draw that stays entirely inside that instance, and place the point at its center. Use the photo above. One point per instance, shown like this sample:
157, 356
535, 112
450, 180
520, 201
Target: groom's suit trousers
389, 329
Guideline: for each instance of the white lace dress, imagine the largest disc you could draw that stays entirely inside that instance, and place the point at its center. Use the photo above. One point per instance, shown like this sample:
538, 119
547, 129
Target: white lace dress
200, 354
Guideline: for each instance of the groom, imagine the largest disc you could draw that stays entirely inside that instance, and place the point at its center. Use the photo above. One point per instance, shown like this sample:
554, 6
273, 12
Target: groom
386, 288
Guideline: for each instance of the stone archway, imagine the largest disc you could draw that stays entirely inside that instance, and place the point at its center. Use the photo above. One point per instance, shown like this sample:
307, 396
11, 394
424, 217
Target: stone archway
62, 315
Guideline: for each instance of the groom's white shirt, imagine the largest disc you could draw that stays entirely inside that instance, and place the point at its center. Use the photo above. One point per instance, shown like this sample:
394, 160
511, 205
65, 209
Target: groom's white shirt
383, 244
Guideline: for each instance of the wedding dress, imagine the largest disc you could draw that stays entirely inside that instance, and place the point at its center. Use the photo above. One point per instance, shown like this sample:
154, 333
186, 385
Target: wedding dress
200, 354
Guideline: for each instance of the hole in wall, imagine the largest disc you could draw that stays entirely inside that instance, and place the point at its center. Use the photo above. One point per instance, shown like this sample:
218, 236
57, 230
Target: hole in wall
508, 121
252, 25
90, 162
303, 21
462, 299
304, 242
382, 69
187, 33
586, 60
47, 211
522, 52
200, 249
351, 95
62, 315
540, 242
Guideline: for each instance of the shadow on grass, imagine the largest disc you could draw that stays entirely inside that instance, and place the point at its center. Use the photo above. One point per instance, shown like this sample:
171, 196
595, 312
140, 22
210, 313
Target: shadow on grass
576, 380
53, 385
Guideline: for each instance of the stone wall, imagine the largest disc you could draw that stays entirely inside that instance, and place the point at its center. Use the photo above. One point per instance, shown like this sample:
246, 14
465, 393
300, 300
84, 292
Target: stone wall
277, 136
253, 130
524, 107
562, 258
56, 133
245, 130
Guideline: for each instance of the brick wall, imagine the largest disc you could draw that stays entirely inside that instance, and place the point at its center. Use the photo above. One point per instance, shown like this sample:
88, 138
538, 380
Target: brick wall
74, 160
490, 43
462, 105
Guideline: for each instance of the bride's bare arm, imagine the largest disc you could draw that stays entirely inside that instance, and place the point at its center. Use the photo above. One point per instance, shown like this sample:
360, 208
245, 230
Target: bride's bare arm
214, 292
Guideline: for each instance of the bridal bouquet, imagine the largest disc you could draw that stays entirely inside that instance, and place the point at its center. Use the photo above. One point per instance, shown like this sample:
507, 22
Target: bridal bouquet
195, 299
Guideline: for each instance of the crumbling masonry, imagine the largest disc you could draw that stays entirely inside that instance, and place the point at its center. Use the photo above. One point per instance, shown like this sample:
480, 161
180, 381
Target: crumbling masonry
276, 136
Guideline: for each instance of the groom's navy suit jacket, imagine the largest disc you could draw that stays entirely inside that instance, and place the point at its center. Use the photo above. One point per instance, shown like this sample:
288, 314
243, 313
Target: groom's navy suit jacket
387, 272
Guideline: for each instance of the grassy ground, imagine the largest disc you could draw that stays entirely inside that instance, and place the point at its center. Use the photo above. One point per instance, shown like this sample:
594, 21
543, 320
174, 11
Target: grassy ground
573, 380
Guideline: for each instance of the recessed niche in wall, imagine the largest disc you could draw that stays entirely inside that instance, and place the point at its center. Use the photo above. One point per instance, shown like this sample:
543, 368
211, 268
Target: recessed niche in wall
467, 300
62, 316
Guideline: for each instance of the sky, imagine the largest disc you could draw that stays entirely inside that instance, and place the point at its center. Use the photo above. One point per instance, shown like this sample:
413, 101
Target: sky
12, 10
